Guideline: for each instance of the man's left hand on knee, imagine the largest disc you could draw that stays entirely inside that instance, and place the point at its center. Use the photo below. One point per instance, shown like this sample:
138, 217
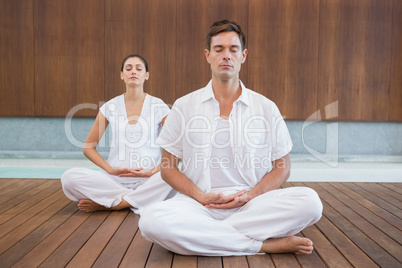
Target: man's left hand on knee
238, 199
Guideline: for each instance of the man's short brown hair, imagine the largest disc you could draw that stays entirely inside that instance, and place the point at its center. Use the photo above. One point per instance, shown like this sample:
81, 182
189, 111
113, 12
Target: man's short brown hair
225, 26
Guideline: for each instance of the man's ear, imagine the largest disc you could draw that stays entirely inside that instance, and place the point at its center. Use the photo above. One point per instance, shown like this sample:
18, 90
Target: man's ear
206, 53
244, 55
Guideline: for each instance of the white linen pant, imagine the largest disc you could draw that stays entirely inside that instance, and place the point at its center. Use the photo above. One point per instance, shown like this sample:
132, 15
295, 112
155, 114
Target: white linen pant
108, 190
185, 226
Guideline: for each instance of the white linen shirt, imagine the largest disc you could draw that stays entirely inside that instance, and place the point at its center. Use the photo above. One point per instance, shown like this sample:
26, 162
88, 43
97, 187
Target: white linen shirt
134, 145
258, 134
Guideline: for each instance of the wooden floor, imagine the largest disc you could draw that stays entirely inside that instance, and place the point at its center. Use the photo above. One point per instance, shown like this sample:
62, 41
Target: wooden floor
40, 227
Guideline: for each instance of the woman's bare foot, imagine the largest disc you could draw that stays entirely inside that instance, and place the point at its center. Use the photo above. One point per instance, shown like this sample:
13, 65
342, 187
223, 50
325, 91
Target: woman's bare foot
87, 205
291, 244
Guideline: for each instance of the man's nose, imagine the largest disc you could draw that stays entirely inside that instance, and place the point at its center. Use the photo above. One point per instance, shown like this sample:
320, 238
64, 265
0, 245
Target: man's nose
226, 55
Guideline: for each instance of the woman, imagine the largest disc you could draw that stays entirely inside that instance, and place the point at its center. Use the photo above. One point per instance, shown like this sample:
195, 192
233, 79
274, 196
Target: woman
131, 176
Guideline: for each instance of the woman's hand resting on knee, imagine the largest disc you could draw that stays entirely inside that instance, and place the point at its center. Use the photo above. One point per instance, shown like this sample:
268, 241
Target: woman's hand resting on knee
136, 172
117, 171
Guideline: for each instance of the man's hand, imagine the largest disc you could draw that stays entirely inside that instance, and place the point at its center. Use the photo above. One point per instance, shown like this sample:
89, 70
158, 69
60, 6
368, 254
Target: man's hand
220, 201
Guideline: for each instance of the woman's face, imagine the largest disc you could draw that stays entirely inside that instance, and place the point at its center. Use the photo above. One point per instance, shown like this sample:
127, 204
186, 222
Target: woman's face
134, 73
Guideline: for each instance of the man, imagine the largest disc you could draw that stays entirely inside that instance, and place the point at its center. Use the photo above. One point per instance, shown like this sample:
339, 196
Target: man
234, 150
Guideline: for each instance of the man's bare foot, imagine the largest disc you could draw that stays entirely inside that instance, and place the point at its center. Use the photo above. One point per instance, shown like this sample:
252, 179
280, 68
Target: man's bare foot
87, 205
291, 244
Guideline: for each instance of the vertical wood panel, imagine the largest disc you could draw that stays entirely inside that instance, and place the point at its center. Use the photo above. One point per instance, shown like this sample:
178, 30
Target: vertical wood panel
355, 41
303, 54
395, 112
16, 58
69, 55
194, 19
283, 54
147, 28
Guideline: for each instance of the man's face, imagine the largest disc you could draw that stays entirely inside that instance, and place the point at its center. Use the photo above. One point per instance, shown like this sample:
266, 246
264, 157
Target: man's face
226, 55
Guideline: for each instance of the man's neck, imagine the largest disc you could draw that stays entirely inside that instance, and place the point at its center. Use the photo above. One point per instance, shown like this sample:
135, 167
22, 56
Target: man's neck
226, 90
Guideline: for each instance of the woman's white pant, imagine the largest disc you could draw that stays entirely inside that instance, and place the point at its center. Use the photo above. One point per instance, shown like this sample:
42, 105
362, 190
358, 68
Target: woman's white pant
109, 191
184, 226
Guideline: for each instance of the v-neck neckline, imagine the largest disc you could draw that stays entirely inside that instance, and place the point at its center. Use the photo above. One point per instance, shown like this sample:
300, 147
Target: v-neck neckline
125, 109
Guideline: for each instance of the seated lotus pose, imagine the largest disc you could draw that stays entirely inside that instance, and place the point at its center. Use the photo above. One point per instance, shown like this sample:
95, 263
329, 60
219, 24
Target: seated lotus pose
234, 147
130, 178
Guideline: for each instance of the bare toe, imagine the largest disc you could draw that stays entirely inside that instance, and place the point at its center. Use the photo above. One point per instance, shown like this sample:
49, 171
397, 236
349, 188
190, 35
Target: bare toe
304, 252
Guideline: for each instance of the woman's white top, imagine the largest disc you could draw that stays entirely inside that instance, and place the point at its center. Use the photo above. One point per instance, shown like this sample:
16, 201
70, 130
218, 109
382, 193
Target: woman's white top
133, 145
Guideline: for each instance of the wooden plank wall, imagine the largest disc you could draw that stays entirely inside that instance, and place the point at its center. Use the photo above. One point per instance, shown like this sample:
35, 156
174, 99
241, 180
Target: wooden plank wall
303, 54
354, 57
16, 58
69, 55
147, 28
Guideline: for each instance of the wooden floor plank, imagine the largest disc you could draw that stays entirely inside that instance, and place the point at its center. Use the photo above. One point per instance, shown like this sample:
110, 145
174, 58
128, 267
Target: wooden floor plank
350, 228
312, 260
235, 262
115, 250
37, 188
390, 208
360, 238
386, 242
365, 243
209, 262
377, 210
66, 251
24, 229
285, 260
260, 261
392, 188
44, 249
159, 257
21, 218
23, 247
7, 183
18, 189
11, 210
344, 245
383, 193
327, 251
396, 184
366, 214
180, 261
14, 185
88, 254
138, 251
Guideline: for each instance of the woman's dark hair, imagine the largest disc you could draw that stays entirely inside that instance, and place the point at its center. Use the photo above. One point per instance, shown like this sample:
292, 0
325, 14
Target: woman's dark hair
134, 56
225, 26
